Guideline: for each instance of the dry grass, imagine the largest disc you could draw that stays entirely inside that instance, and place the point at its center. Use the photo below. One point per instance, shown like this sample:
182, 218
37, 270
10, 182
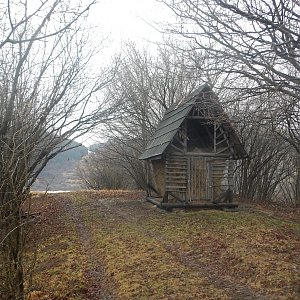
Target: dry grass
149, 254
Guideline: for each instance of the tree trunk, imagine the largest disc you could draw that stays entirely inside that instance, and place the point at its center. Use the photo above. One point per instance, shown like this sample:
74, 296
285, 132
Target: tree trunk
14, 247
297, 181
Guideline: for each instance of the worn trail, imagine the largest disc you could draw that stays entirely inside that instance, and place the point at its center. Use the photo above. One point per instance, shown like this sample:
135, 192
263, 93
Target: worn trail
133, 213
99, 285
114, 245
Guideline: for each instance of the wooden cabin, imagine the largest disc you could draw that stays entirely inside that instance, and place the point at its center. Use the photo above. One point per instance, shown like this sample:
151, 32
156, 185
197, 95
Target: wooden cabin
189, 159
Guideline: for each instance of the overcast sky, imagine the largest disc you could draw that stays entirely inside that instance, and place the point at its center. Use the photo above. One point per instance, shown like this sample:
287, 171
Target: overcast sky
121, 21
129, 19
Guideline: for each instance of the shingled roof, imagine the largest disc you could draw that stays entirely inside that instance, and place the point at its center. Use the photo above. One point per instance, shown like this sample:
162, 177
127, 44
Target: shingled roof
173, 118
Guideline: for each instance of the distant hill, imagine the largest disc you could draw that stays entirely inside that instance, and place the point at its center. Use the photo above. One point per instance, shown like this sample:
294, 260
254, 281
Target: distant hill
60, 172
96, 146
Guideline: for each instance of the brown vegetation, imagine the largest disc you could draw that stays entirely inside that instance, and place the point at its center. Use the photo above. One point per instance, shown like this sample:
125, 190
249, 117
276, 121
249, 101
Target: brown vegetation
114, 245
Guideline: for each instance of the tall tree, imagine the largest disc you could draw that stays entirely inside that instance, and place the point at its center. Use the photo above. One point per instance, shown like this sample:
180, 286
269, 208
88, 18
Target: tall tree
253, 40
47, 95
148, 84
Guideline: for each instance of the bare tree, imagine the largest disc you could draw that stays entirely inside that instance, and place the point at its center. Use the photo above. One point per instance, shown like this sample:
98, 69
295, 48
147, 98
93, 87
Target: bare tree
289, 186
148, 84
48, 94
253, 40
261, 38
99, 171
260, 175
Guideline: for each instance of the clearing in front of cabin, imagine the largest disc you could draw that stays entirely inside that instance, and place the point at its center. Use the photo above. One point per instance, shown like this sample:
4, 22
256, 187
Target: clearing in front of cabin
114, 245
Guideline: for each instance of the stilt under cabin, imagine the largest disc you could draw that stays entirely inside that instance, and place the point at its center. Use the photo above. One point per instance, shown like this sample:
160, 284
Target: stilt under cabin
190, 157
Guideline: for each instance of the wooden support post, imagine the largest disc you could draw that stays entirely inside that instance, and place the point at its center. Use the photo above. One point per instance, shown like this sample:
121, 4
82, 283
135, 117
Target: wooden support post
165, 198
185, 136
210, 190
147, 166
215, 137
230, 179
189, 196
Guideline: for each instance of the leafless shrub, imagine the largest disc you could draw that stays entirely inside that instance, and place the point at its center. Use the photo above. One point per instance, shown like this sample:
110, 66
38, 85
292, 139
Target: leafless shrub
98, 171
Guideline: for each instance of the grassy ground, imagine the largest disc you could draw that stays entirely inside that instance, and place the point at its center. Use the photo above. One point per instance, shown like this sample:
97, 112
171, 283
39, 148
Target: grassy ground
113, 245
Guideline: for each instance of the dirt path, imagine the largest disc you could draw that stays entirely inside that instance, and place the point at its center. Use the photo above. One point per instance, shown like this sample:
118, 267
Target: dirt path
114, 245
99, 285
132, 212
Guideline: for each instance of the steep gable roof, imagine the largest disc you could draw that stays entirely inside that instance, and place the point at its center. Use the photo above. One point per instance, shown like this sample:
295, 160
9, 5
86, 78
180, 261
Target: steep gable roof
174, 117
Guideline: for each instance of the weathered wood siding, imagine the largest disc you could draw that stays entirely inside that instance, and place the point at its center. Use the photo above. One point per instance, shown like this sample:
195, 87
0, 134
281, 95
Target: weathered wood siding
176, 171
158, 177
196, 178
219, 181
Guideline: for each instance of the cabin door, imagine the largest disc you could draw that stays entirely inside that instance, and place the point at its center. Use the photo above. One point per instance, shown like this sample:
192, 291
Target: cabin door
209, 178
199, 178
